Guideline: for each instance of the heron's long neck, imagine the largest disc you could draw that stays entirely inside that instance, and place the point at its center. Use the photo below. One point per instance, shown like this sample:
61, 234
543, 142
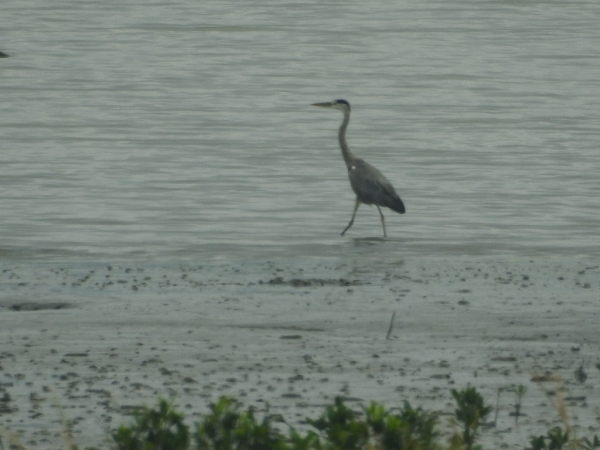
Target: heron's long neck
346, 153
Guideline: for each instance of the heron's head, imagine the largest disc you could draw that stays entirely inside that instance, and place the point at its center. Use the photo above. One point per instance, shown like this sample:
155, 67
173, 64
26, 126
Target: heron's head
340, 104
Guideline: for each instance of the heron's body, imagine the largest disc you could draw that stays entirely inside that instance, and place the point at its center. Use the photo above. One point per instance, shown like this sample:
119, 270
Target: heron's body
369, 184
372, 187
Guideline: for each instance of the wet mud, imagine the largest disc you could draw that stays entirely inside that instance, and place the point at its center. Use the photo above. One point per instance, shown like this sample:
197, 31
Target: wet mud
84, 346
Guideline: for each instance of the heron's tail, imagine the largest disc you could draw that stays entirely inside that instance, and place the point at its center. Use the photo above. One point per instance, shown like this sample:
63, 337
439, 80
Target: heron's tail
397, 205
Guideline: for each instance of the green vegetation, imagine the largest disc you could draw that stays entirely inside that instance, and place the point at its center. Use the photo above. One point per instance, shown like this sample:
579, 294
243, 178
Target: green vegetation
154, 429
469, 413
557, 439
230, 427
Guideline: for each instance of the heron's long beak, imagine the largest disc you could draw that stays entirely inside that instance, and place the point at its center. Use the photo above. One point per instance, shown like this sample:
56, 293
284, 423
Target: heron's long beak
323, 105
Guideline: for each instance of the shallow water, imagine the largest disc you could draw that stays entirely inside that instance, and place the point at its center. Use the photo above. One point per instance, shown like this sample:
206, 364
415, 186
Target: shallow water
183, 130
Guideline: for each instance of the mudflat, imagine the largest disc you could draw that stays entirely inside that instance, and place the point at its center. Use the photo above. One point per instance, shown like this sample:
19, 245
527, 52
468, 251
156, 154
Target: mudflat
84, 345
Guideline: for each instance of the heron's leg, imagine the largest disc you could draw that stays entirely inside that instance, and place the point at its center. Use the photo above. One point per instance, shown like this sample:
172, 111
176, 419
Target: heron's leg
356, 205
382, 220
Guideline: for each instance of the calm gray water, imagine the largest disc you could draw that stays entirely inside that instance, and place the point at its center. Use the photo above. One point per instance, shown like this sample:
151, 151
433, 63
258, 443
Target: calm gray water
183, 129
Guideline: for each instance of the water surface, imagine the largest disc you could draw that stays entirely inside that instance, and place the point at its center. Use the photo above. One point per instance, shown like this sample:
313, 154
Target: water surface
170, 130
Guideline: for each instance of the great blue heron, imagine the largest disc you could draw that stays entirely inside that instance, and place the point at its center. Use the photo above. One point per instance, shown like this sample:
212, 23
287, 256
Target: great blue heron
368, 183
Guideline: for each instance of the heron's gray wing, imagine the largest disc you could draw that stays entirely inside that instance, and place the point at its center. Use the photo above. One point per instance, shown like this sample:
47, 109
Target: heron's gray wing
371, 186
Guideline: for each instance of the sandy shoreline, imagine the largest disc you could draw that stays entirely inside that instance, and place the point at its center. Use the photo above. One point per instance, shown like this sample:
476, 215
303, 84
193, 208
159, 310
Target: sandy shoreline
85, 343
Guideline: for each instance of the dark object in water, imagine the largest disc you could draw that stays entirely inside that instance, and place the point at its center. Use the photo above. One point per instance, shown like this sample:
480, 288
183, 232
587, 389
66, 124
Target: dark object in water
3, 55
